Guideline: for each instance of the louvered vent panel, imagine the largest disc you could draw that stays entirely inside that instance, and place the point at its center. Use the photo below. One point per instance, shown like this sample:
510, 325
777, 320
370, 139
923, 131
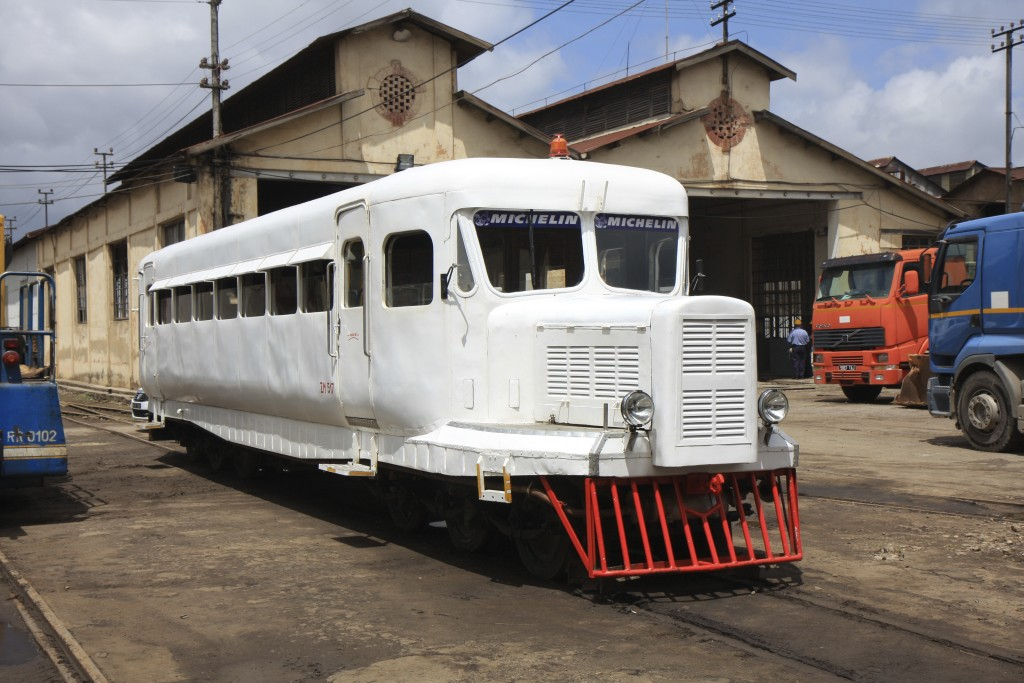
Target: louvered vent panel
714, 347
601, 372
712, 406
713, 414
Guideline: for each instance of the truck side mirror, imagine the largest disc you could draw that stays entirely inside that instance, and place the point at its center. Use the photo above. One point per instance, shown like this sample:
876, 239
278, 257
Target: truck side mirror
911, 283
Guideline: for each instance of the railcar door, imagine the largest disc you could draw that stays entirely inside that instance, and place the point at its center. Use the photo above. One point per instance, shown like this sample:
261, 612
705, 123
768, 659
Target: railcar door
409, 359
955, 304
348, 342
148, 364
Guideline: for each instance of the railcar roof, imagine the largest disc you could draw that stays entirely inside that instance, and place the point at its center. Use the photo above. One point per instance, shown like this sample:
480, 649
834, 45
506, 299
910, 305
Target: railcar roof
480, 182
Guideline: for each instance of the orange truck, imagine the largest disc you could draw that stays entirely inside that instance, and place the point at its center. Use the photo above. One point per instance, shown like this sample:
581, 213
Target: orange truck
870, 316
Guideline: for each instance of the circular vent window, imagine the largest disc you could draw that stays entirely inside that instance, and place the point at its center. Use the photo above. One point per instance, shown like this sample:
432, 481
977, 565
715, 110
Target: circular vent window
396, 93
726, 123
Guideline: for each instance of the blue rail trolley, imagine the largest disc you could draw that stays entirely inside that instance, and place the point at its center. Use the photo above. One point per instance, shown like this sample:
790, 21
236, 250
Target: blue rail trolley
33, 445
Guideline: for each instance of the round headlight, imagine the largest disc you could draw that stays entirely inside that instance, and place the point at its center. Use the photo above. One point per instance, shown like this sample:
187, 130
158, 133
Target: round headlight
637, 408
772, 406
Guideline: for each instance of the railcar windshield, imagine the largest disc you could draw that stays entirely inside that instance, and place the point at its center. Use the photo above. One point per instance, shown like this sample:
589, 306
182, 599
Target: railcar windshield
530, 250
534, 250
858, 281
637, 252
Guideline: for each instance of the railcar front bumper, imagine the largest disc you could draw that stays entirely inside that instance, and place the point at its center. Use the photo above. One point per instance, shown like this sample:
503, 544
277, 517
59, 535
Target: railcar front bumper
684, 523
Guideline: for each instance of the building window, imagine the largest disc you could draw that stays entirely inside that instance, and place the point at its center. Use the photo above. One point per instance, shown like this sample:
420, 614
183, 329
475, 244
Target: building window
918, 241
119, 264
81, 300
173, 232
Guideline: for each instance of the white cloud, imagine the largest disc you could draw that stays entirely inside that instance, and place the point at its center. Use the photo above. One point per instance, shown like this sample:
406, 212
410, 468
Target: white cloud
926, 104
925, 116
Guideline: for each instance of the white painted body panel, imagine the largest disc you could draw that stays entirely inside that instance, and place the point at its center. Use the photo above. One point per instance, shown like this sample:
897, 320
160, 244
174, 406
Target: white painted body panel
523, 383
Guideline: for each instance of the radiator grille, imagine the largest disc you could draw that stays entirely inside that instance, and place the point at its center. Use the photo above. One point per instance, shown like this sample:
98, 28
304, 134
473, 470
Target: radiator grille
713, 347
849, 340
714, 358
605, 372
713, 413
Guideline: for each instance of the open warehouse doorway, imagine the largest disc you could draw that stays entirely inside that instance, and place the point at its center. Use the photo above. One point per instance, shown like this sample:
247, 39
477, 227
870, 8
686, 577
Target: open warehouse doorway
764, 251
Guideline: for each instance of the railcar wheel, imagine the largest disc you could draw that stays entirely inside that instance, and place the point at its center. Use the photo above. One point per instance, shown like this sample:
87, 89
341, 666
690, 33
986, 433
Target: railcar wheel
544, 552
468, 526
862, 393
246, 463
985, 415
407, 512
217, 458
193, 451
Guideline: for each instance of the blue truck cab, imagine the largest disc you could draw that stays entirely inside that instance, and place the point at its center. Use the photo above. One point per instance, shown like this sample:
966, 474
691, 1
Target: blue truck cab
976, 331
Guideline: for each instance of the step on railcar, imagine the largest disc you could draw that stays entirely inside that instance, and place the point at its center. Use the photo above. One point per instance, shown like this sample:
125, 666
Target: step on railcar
503, 344
32, 446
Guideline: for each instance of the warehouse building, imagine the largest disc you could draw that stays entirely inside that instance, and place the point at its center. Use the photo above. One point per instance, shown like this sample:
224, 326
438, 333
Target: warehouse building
769, 200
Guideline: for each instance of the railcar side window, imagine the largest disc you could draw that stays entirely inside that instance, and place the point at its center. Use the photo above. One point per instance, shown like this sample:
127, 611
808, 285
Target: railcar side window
409, 270
528, 250
637, 252
284, 290
163, 306
354, 279
317, 286
227, 298
183, 304
203, 303
254, 295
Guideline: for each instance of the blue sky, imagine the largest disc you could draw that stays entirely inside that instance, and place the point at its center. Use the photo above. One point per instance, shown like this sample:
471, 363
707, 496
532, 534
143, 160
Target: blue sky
917, 80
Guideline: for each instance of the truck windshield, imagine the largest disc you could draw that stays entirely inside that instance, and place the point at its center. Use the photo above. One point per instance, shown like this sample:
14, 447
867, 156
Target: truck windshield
637, 252
530, 250
856, 281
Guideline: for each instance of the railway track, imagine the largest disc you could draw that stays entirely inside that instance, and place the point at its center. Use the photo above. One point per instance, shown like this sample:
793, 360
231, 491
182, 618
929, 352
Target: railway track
792, 616
114, 413
837, 638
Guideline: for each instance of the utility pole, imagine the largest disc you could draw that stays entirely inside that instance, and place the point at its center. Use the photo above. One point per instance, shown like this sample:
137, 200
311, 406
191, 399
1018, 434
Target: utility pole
724, 17
216, 66
46, 201
220, 175
1007, 46
109, 152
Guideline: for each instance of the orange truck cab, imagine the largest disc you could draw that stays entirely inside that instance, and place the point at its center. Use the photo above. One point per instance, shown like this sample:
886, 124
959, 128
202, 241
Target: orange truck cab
870, 315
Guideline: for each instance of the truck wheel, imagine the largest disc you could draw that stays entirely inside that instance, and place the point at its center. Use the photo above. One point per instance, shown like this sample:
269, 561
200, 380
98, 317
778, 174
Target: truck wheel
862, 393
985, 414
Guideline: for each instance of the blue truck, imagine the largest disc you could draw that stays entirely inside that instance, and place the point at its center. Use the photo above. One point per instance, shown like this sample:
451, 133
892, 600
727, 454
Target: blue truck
976, 331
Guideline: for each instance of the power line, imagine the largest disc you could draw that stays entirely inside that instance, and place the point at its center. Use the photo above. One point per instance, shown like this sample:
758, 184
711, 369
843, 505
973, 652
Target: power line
91, 85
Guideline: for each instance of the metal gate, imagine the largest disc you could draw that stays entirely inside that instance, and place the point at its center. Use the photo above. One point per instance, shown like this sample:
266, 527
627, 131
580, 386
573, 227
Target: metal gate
783, 280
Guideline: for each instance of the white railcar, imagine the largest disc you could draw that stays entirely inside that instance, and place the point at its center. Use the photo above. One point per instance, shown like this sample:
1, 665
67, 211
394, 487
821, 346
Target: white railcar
503, 344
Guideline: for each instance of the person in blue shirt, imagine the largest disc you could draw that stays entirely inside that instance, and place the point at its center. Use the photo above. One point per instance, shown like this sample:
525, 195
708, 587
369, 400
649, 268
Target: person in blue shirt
799, 342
